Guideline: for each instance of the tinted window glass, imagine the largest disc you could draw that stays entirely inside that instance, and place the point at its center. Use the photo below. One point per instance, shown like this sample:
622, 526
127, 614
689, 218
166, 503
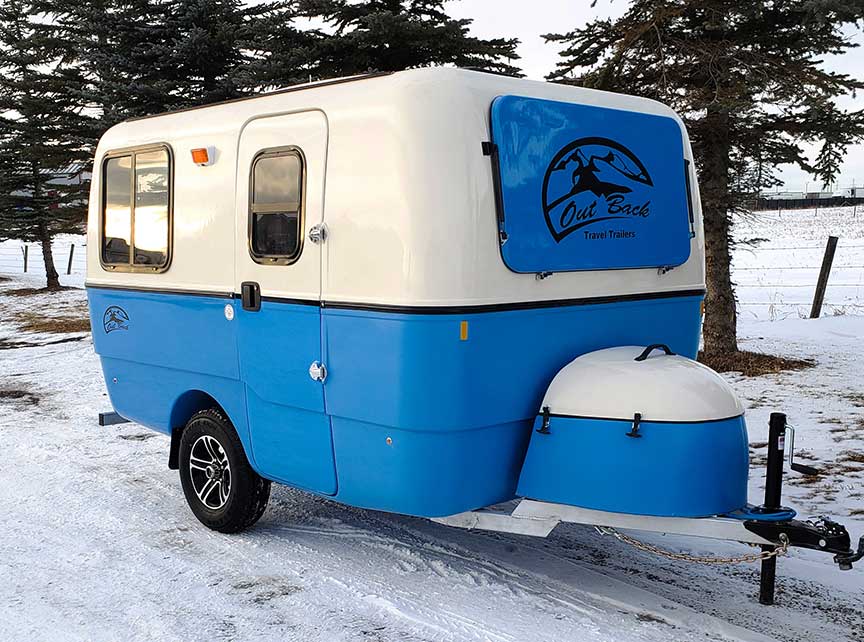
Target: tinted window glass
151, 208
118, 211
275, 224
277, 180
274, 234
136, 213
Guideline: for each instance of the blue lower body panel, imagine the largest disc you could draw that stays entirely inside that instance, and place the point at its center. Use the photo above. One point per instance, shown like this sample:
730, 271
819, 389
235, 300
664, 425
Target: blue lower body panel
459, 410
456, 406
427, 473
163, 398
673, 470
292, 445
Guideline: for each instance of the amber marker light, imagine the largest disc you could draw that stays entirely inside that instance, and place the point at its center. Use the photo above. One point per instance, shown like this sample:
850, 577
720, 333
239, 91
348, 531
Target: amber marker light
204, 156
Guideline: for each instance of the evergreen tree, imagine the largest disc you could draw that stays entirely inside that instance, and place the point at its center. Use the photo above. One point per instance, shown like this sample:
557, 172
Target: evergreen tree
219, 47
144, 57
280, 54
748, 81
40, 140
391, 35
123, 50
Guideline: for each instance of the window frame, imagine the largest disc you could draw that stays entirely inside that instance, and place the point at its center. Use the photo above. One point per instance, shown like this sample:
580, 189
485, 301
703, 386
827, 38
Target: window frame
130, 266
276, 259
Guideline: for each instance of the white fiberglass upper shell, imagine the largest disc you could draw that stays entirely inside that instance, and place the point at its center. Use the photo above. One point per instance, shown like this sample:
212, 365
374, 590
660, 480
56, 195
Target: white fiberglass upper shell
611, 384
406, 194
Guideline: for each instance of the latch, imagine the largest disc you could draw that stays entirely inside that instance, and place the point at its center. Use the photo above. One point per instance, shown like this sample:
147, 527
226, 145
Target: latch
318, 233
318, 371
634, 430
544, 426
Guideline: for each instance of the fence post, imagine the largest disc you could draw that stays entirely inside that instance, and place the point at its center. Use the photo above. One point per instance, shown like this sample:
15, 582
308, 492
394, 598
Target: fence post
827, 260
71, 254
24, 250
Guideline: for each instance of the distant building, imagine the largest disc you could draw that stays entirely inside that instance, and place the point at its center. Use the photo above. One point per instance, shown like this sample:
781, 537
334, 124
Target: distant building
851, 192
794, 195
777, 196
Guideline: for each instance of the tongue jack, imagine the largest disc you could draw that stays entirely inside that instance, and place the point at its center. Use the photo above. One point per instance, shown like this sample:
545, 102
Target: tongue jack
821, 534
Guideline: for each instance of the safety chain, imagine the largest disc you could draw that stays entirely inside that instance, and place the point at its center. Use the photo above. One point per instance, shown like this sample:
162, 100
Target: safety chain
648, 548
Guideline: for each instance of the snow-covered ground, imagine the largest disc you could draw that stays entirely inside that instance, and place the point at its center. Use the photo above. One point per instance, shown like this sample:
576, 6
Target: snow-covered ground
98, 544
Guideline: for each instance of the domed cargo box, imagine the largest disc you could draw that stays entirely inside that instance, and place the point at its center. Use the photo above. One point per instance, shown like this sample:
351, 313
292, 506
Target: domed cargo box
634, 430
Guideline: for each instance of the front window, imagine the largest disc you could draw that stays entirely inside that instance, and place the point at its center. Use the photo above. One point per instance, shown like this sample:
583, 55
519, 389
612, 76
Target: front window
136, 210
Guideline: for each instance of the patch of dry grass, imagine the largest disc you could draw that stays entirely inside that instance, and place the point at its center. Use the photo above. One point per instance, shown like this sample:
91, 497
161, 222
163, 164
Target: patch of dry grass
34, 291
33, 322
852, 456
857, 399
753, 364
24, 396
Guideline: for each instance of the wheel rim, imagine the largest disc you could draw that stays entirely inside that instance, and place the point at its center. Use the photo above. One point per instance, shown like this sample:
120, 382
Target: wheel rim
210, 472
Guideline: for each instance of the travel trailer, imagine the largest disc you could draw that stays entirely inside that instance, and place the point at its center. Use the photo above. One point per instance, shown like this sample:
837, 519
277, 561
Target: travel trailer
427, 292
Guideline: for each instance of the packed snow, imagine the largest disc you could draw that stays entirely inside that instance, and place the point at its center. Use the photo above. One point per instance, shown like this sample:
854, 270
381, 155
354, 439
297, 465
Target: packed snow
98, 544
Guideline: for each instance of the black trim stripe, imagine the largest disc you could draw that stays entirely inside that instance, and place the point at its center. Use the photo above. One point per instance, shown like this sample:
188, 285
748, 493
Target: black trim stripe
129, 288
643, 421
276, 299
519, 305
423, 309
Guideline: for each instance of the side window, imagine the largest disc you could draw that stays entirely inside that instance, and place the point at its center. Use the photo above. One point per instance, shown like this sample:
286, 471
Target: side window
136, 204
275, 208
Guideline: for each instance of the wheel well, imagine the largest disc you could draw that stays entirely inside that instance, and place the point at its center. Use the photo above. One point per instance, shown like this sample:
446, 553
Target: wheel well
185, 406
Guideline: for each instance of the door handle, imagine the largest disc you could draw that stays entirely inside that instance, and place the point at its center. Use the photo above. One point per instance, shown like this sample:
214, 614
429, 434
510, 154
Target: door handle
250, 296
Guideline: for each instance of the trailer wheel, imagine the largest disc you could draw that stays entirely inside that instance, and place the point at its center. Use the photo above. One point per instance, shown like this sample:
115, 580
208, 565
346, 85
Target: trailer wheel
221, 488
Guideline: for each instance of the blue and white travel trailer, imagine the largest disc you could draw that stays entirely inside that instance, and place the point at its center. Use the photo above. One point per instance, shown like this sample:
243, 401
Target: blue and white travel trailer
427, 292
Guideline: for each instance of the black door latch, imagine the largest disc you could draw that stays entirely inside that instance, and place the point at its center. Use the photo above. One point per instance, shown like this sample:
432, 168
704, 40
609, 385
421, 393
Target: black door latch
250, 296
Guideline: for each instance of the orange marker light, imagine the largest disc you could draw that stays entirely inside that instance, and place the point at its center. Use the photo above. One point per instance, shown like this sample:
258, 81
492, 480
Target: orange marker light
203, 156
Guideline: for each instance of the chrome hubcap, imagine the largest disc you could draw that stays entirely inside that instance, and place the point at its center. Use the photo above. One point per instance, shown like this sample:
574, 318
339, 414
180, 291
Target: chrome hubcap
210, 472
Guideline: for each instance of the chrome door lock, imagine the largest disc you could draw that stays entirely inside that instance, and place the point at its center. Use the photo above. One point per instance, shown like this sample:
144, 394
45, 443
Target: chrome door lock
318, 233
318, 371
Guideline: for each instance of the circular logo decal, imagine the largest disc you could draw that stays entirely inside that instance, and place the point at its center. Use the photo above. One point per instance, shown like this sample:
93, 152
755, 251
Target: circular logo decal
591, 180
115, 318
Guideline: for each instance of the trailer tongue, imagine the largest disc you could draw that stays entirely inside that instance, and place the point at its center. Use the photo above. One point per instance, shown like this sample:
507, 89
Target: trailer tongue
629, 438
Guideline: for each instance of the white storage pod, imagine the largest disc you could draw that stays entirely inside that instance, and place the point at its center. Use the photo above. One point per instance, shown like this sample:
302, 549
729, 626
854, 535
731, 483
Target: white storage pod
634, 430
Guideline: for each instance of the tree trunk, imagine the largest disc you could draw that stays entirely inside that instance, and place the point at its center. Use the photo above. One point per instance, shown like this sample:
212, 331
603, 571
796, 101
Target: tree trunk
48, 256
719, 330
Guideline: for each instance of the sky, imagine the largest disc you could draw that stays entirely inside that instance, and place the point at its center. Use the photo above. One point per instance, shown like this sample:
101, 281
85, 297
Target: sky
529, 19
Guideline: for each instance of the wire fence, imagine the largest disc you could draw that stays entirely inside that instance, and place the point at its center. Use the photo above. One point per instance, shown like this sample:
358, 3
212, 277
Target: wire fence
780, 281
18, 258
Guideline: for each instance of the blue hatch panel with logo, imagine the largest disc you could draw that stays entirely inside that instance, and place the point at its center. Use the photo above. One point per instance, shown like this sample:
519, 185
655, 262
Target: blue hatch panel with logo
589, 188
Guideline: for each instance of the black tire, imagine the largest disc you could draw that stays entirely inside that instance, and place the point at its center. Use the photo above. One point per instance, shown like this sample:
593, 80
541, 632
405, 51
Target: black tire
221, 488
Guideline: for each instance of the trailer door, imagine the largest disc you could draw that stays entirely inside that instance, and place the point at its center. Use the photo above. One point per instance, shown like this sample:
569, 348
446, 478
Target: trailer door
280, 197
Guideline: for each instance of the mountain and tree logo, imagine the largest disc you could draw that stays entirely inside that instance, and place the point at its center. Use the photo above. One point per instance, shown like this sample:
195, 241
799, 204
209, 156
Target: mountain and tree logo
115, 318
592, 180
